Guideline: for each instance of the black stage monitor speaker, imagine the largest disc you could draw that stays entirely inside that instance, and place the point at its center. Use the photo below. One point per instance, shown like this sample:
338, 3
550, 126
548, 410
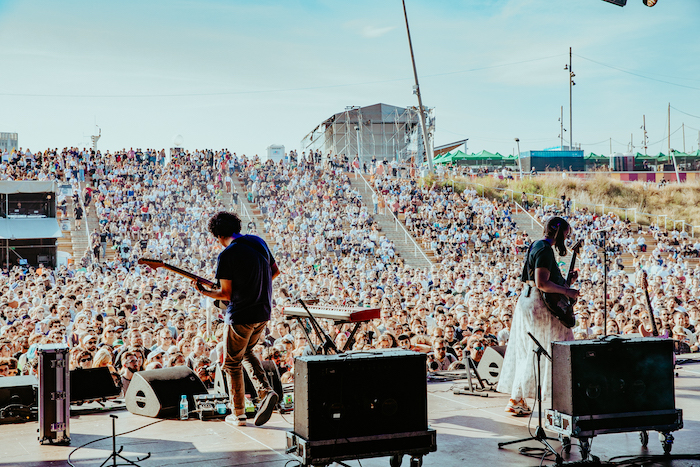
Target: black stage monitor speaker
157, 393
18, 398
491, 363
92, 384
594, 377
360, 394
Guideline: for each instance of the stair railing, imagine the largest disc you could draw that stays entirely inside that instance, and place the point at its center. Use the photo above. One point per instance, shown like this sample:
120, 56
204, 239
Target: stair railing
398, 226
533, 221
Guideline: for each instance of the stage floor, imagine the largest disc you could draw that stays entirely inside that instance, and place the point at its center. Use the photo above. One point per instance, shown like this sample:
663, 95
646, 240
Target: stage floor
469, 429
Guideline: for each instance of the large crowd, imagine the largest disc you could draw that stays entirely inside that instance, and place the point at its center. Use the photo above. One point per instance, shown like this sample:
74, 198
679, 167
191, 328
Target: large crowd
114, 312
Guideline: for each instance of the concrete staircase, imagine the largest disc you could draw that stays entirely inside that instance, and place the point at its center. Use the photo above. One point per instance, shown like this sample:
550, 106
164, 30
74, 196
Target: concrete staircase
76, 242
404, 247
65, 243
94, 223
79, 238
526, 224
253, 210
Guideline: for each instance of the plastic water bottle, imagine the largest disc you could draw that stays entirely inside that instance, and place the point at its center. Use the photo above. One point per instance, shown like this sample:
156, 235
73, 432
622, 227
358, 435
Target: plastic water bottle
184, 408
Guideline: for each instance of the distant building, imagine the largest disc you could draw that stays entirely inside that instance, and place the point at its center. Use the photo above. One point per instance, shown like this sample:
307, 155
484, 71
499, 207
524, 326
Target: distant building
8, 141
275, 153
380, 130
556, 160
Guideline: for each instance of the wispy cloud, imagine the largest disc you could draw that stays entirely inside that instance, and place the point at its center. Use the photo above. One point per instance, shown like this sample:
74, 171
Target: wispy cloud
372, 32
365, 28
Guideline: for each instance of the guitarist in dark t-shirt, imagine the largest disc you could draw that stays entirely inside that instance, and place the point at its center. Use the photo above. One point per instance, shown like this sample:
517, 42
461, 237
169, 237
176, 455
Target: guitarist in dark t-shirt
245, 272
531, 316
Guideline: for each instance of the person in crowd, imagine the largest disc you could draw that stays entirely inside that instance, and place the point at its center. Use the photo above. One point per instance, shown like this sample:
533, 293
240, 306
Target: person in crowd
440, 359
131, 364
83, 360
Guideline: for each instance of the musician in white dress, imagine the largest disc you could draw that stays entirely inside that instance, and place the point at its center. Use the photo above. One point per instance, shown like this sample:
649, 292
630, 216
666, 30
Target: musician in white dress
541, 273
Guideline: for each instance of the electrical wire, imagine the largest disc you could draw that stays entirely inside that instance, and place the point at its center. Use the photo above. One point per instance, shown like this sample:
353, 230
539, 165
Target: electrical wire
666, 137
594, 144
107, 437
685, 113
639, 75
267, 91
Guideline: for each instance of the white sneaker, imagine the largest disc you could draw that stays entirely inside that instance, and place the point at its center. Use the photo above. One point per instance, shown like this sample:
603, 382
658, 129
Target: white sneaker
236, 420
518, 408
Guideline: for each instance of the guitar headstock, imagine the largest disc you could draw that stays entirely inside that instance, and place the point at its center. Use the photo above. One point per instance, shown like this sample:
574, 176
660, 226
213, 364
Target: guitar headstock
645, 283
577, 246
152, 263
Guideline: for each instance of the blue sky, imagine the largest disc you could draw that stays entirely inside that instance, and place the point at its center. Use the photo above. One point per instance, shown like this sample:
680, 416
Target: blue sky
247, 74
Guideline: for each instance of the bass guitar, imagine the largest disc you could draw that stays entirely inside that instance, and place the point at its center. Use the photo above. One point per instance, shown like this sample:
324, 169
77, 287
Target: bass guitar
642, 329
156, 263
561, 306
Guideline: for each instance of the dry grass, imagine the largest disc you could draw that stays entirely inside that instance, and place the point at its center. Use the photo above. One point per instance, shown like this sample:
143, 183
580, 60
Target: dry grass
677, 201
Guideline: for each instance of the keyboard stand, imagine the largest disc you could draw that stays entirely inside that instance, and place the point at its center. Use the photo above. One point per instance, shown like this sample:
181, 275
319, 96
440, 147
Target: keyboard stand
471, 389
328, 343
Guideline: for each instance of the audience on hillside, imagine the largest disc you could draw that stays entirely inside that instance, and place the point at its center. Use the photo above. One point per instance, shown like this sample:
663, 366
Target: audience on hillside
325, 230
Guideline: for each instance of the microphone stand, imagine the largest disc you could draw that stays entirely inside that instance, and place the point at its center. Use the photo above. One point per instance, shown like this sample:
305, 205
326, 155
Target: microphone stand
604, 233
540, 435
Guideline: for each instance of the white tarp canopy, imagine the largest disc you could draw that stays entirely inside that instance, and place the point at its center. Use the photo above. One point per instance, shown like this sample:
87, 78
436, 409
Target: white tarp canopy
27, 186
18, 229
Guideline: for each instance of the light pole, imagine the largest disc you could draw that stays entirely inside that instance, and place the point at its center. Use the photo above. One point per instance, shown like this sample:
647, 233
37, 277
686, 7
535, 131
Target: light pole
561, 130
520, 162
416, 91
571, 113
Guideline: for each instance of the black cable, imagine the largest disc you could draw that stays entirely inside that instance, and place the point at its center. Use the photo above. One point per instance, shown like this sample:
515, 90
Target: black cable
285, 419
20, 406
634, 460
107, 437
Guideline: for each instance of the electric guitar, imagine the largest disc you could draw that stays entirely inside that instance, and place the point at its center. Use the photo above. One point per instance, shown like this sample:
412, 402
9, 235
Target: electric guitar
156, 263
561, 306
642, 329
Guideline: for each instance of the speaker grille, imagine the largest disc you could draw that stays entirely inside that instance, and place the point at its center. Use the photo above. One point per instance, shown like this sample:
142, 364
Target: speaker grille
157, 393
363, 394
593, 377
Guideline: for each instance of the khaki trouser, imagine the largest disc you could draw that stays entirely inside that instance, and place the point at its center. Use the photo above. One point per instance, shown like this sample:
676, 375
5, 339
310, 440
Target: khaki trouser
240, 340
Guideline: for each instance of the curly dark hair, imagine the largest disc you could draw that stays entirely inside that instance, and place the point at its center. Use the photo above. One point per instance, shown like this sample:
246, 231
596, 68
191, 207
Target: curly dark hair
556, 230
224, 224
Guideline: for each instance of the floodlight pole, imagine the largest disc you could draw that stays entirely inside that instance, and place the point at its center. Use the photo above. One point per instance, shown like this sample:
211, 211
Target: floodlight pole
571, 111
426, 144
672, 152
520, 161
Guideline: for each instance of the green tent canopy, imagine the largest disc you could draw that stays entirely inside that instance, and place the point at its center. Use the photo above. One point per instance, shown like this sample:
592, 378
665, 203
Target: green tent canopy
596, 157
450, 157
661, 157
484, 154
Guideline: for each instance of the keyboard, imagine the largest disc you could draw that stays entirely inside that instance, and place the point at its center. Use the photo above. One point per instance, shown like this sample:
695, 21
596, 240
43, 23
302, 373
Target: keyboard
339, 314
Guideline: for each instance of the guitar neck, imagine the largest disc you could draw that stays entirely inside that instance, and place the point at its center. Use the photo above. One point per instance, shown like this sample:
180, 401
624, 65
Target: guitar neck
569, 275
654, 330
189, 275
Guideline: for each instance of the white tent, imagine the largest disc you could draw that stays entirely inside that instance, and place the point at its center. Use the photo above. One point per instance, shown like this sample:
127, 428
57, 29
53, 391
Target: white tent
18, 229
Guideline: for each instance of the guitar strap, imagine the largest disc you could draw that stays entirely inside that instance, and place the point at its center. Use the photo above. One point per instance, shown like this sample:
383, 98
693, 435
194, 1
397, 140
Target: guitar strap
526, 276
528, 273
